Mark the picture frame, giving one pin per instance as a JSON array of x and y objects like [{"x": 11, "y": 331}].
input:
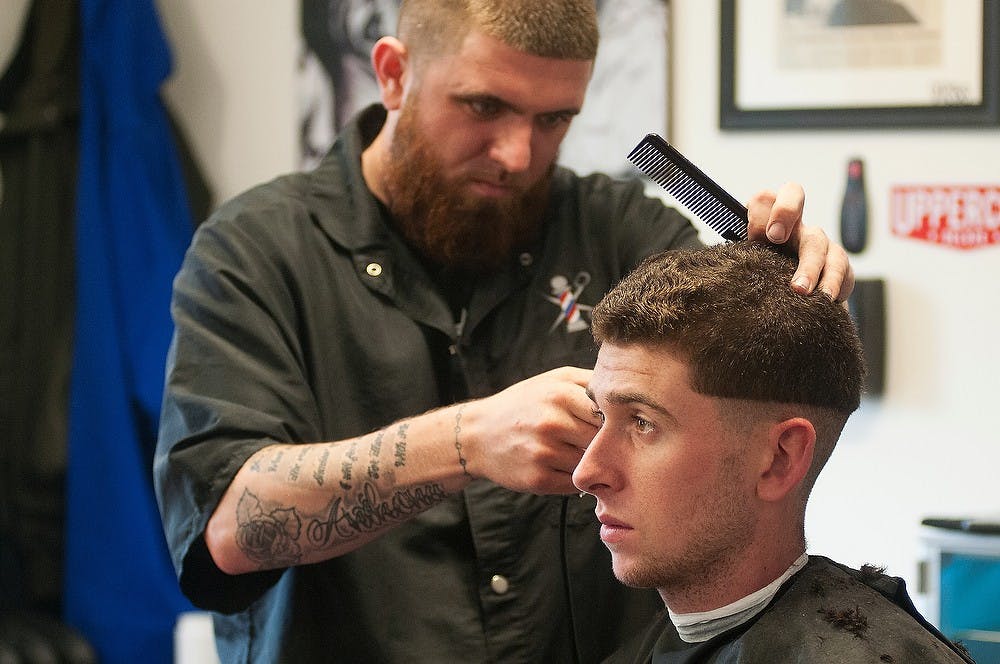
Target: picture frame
[
  {"x": 812, "y": 64},
  {"x": 627, "y": 97}
]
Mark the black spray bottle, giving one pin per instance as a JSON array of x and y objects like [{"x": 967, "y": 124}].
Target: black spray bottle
[{"x": 854, "y": 209}]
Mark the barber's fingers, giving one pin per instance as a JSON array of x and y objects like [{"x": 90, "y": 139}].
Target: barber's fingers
[
  {"x": 837, "y": 279},
  {"x": 776, "y": 216}
]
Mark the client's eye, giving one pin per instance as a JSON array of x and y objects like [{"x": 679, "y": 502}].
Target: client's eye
[{"x": 642, "y": 424}]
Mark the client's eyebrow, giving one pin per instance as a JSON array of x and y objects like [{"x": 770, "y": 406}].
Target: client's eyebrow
[{"x": 628, "y": 398}]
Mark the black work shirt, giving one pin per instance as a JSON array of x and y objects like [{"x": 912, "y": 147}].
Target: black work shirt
[{"x": 301, "y": 317}]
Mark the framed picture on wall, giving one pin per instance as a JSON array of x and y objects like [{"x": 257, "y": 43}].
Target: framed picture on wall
[
  {"x": 629, "y": 91},
  {"x": 859, "y": 63},
  {"x": 627, "y": 97}
]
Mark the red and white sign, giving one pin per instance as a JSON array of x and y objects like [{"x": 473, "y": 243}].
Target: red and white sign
[{"x": 962, "y": 216}]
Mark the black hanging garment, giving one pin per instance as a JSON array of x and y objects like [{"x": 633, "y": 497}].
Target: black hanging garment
[{"x": 39, "y": 99}]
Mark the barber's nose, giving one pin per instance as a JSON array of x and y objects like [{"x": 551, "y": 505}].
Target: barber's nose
[{"x": 512, "y": 146}]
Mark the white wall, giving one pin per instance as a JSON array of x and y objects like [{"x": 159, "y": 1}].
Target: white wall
[
  {"x": 930, "y": 446},
  {"x": 233, "y": 88}
]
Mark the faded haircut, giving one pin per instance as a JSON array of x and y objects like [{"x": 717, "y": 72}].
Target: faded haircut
[
  {"x": 564, "y": 29},
  {"x": 729, "y": 312}
]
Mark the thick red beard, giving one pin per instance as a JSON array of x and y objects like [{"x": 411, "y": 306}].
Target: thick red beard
[{"x": 452, "y": 229}]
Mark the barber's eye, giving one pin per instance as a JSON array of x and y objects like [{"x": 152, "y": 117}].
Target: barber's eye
[
  {"x": 554, "y": 120},
  {"x": 485, "y": 108}
]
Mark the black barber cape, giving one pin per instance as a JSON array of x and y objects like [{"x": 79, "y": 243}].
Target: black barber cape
[{"x": 826, "y": 614}]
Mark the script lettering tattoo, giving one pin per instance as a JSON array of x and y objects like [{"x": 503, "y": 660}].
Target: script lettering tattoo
[
  {"x": 374, "y": 453},
  {"x": 273, "y": 467},
  {"x": 401, "y": 445},
  {"x": 347, "y": 467},
  {"x": 268, "y": 538},
  {"x": 293, "y": 473},
  {"x": 320, "y": 474},
  {"x": 371, "y": 512}
]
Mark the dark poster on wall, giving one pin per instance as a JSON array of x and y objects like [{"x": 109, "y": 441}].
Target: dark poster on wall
[{"x": 627, "y": 98}]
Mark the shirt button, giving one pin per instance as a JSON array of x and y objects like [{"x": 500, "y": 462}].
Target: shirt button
[
  {"x": 526, "y": 259},
  {"x": 373, "y": 269},
  {"x": 499, "y": 584}
]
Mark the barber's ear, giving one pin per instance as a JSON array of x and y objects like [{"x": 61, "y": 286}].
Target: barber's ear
[
  {"x": 389, "y": 60},
  {"x": 790, "y": 448}
]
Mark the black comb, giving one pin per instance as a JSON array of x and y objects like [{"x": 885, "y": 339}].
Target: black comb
[{"x": 668, "y": 168}]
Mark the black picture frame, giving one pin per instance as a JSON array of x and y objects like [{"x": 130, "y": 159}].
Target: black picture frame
[{"x": 984, "y": 113}]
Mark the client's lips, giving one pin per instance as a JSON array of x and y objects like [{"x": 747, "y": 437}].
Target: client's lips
[{"x": 613, "y": 530}]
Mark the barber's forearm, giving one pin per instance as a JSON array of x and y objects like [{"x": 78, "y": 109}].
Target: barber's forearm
[{"x": 298, "y": 504}]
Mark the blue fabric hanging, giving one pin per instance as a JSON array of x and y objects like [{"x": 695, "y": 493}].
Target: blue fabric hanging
[{"x": 133, "y": 226}]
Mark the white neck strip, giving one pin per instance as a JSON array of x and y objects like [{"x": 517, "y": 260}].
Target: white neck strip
[{"x": 702, "y": 626}]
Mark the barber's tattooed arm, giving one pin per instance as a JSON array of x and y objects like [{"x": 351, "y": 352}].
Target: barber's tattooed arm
[{"x": 298, "y": 504}]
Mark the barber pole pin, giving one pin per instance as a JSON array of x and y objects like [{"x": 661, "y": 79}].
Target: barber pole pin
[{"x": 566, "y": 296}]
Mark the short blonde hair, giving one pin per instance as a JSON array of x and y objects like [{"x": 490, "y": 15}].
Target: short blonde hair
[{"x": 565, "y": 29}]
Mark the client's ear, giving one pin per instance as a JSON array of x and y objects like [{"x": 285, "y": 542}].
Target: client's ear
[{"x": 790, "y": 447}]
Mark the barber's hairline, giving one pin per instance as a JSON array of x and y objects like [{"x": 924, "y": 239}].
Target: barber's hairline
[
  {"x": 446, "y": 42},
  {"x": 452, "y": 45}
]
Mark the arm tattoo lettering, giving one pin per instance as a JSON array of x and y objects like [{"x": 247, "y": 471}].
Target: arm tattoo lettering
[
  {"x": 401, "y": 445},
  {"x": 371, "y": 512},
  {"x": 268, "y": 538},
  {"x": 275, "y": 460},
  {"x": 320, "y": 473},
  {"x": 374, "y": 452},
  {"x": 347, "y": 466},
  {"x": 293, "y": 473}
]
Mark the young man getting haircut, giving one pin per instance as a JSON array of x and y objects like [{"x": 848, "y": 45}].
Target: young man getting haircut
[{"x": 722, "y": 394}]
